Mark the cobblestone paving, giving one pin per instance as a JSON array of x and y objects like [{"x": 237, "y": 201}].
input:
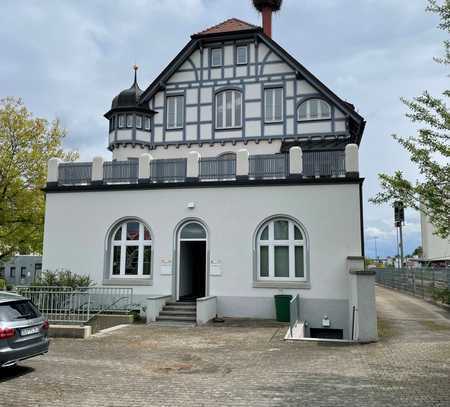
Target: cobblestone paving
[{"x": 244, "y": 364}]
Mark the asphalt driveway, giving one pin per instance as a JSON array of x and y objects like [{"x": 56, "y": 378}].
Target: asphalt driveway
[{"x": 244, "y": 364}]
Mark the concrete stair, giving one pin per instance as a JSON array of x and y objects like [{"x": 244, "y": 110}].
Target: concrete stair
[{"x": 180, "y": 311}]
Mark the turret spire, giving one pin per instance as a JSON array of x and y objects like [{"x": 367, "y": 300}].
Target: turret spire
[{"x": 135, "y": 67}]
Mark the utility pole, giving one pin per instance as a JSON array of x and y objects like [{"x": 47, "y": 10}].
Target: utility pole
[{"x": 399, "y": 217}]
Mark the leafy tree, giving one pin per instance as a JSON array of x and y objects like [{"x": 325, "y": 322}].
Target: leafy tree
[
  {"x": 26, "y": 144},
  {"x": 429, "y": 149},
  {"x": 417, "y": 251}
]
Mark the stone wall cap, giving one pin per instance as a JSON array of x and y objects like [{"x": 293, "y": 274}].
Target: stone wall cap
[{"x": 363, "y": 272}]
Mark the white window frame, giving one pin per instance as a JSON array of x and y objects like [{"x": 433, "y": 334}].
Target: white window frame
[
  {"x": 178, "y": 107},
  {"x": 244, "y": 47},
  {"x": 147, "y": 123},
  {"x": 223, "y": 94},
  {"x": 308, "y": 110},
  {"x": 220, "y": 52},
  {"x": 139, "y": 121},
  {"x": 129, "y": 121},
  {"x": 123, "y": 243},
  {"x": 271, "y": 243},
  {"x": 121, "y": 121},
  {"x": 272, "y": 118}
]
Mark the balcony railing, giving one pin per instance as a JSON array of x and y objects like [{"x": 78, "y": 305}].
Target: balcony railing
[
  {"x": 168, "y": 170},
  {"x": 217, "y": 169},
  {"x": 268, "y": 166},
  {"x": 324, "y": 163},
  {"x": 121, "y": 171},
  {"x": 307, "y": 164},
  {"x": 74, "y": 173}
]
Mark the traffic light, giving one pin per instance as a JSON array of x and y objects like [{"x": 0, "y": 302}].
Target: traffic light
[{"x": 399, "y": 213}]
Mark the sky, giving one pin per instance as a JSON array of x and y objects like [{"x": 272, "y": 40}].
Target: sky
[{"x": 67, "y": 60}]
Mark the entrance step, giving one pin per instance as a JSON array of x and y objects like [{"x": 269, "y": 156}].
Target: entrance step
[
  {"x": 176, "y": 318},
  {"x": 182, "y": 303},
  {"x": 180, "y": 308},
  {"x": 181, "y": 313}
]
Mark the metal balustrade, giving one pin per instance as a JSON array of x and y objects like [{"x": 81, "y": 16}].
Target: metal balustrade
[
  {"x": 269, "y": 166},
  {"x": 324, "y": 163},
  {"x": 217, "y": 168},
  {"x": 168, "y": 170},
  {"x": 121, "y": 171},
  {"x": 74, "y": 173},
  {"x": 320, "y": 163}
]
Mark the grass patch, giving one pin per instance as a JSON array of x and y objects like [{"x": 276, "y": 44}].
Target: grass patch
[{"x": 435, "y": 326}]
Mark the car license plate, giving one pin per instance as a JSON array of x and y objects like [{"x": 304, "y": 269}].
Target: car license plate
[{"x": 29, "y": 331}]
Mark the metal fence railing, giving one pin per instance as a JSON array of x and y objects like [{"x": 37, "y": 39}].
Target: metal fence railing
[
  {"x": 294, "y": 313},
  {"x": 269, "y": 166},
  {"x": 74, "y": 173},
  {"x": 168, "y": 170},
  {"x": 65, "y": 304},
  {"x": 217, "y": 168},
  {"x": 423, "y": 282},
  {"x": 324, "y": 163},
  {"x": 121, "y": 171}
]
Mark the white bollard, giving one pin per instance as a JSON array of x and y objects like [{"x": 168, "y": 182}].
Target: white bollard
[
  {"x": 144, "y": 167},
  {"x": 242, "y": 163},
  {"x": 97, "y": 170},
  {"x": 193, "y": 165},
  {"x": 351, "y": 160},
  {"x": 295, "y": 161},
  {"x": 52, "y": 170}
]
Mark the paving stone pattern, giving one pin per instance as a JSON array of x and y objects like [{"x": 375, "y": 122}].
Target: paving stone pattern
[{"x": 244, "y": 363}]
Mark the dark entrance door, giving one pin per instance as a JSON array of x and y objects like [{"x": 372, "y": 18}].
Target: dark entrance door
[{"x": 192, "y": 270}]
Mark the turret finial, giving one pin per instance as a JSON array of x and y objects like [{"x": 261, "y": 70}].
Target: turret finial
[{"x": 135, "y": 67}]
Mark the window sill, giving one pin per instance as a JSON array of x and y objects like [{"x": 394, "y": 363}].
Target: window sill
[
  {"x": 282, "y": 284},
  {"x": 320, "y": 119},
  {"x": 128, "y": 281}
]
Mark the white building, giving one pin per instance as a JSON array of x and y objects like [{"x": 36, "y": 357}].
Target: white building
[
  {"x": 234, "y": 177},
  {"x": 435, "y": 249}
]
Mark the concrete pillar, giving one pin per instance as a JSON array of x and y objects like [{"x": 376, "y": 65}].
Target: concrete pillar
[
  {"x": 52, "y": 171},
  {"x": 351, "y": 160},
  {"x": 144, "y": 168},
  {"x": 295, "y": 161},
  {"x": 193, "y": 163},
  {"x": 97, "y": 170},
  {"x": 362, "y": 306},
  {"x": 242, "y": 164}
]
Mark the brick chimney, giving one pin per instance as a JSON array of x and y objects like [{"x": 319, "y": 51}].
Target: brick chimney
[{"x": 267, "y": 8}]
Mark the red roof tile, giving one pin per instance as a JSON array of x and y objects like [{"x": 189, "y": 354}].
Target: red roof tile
[{"x": 233, "y": 24}]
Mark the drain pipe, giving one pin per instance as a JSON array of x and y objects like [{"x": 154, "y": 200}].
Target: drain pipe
[{"x": 353, "y": 323}]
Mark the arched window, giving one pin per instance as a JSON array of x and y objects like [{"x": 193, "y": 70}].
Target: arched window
[
  {"x": 131, "y": 250},
  {"x": 314, "y": 109},
  {"x": 281, "y": 251},
  {"x": 228, "y": 109}
]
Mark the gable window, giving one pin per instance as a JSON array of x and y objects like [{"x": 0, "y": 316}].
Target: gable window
[
  {"x": 139, "y": 122},
  {"x": 228, "y": 109},
  {"x": 121, "y": 121},
  {"x": 146, "y": 123},
  {"x": 314, "y": 109},
  {"x": 242, "y": 55},
  {"x": 273, "y": 100},
  {"x": 281, "y": 251},
  {"x": 216, "y": 57},
  {"x": 129, "y": 120},
  {"x": 175, "y": 110},
  {"x": 131, "y": 251}
]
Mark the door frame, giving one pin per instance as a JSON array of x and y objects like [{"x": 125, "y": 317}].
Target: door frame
[{"x": 177, "y": 254}]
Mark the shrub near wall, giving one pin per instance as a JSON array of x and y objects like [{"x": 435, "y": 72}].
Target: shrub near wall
[{"x": 2, "y": 284}]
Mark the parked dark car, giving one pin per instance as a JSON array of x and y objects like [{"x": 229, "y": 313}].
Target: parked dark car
[{"x": 23, "y": 330}]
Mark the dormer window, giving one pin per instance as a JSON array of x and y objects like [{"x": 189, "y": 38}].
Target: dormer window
[
  {"x": 314, "y": 109},
  {"x": 175, "y": 110},
  {"x": 242, "y": 55},
  {"x": 139, "y": 121},
  {"x": 216, "y": 57},
  {"x": 121, "y": 121}
]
